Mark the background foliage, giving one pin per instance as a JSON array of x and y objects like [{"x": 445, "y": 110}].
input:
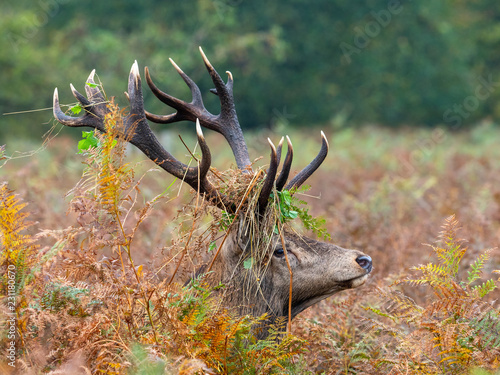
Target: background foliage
[{"x": 295, "y": 62}]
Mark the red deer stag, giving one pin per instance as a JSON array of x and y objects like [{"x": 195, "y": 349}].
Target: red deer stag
[{"x": 315, "y": 270}]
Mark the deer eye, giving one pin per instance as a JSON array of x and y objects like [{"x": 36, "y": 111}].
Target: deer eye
[{"x": 279, "y": 252}]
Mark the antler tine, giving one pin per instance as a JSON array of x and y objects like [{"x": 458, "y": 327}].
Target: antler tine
[
  {"x": 305, "y": 173},
  {"x": 197, "y": 99},
  {"x": 267, "y": 187},
  {"x": 229, "y": 84},
  {"x": 196, "y": 102},
  {"x": 223, "y": 91},
  {"x": 287, "y": 164},
  {"x": 135, "y": 95},
  {"x": 94, "y": 112},
  {"x": 226, "y": 123},
  {"x": 93, "y": 93},
  {"x": 82, "y": 99},
  {"x": 278, "y": 149},
  {"x": 61, "y": 116},
  {"x": 206, "y": 157},
  {"x": 196, "y": 106},
  {"x": 162, "y": 119},
  {"x": 195, "y": 90},
  {"x": 230, "y": 81}
]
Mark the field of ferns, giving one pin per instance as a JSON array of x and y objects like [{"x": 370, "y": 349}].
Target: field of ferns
[{"x": 97, "y": 247}]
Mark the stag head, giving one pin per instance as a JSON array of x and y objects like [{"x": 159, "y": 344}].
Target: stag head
[{"x": 286, "y": 264}]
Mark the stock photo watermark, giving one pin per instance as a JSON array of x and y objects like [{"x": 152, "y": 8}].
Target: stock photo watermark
[
  {"x": 364, "y": 35},
  {"x": 281, "y": 118},
  {"x": 44, "y": 10},
  {"x": 223, "y": 6},
  {"x": 453, "y": 117},
  {"x": 460, "y": 111},
  {"x": 10, "y": 355},
  {"x": 424, "y": 148}
]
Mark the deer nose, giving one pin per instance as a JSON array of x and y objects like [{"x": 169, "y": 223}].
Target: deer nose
[{"x": 365, "y": 262}]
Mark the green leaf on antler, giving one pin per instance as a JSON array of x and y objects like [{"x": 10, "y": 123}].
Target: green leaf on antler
[
  {"x": 289, "y": 209},
  {"x": 76, "y": 109},
  {"x": 89, "y": 140}
]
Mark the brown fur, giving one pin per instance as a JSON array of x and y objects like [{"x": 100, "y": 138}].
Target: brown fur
[{"x": 319, "y": 270}]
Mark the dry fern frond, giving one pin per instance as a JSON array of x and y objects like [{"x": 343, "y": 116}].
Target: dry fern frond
[
  {"x": 455, "y": 330},
  {"x": 16, "y": 248}
]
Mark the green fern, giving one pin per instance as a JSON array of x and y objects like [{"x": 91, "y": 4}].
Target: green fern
[
  {"x": 58, "y": 296},
  {"x": 290, "y": 207},
  {"x": 477, "y": 267},
  {"x": 456, "y": 329},
  {"x": 487, "y": 287}
]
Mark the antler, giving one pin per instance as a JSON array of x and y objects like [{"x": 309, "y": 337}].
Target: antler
[
  {"x": 226, "y": 123},
  {"x": 137, "y": 131},
  {"x": 96, "y": 107},
  {"x": 305, "y": 173},
  {"x": 298, "y": 180}
]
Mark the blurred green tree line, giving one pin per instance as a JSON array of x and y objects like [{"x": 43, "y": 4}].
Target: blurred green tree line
[{"x": 298, "y": 62}]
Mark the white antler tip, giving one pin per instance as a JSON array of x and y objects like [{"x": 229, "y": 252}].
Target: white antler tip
[
  {"x": 91, "y": 76},
  {"x": 198, "y": 129},
  {"x": 289, "y": 142},
  {"x": 175, "y": 65},
  {"x": 272, "y": 145},
  {"x": 230, "y": 75},
  {"x": 324, "y": 138},
  {"x": 72, "y": 87},
  {"x": 134, "y": 73},
  {"x": 205, "y": 59},
  {"x": 135, "y": 68}
]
